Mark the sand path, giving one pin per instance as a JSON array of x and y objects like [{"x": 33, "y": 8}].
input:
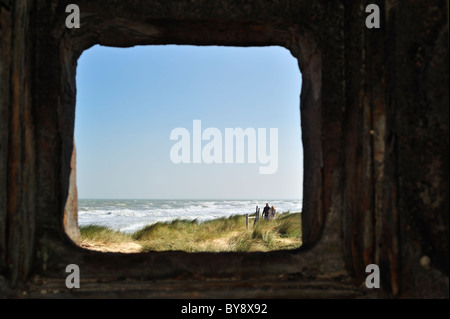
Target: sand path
[{"x": 126, "y": 247}]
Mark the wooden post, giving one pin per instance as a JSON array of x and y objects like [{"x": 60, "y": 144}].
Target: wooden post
[
  {"x": 246, "y": 220},
  {"x": 256, "y": 216}
]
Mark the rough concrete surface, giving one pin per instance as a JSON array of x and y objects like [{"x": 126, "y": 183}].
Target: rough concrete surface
[{"x": 374, "y": 112}]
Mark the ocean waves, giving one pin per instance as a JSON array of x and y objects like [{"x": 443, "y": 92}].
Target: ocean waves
[{"x": 131, "y": 215}]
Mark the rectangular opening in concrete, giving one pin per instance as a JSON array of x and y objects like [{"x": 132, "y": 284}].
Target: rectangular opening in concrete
[{"x": 182, "y": 147}]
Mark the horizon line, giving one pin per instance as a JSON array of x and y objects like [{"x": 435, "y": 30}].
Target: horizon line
[{"x": 259, "y": 199}]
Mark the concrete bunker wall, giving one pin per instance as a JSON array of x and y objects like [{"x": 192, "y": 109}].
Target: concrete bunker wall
[{"x": 374, "y": 108}]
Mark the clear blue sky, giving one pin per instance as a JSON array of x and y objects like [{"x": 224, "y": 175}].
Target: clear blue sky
[{"x": 130, "y": 99}]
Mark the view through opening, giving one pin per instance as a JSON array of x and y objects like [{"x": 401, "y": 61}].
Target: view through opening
[{"x": 177, "y": 146}]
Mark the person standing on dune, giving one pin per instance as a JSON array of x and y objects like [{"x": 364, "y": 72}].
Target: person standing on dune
[
  {"x": 266, "y": 211},
  {"x": 271, "y": 214}
]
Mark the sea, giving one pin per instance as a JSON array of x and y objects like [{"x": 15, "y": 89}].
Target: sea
[{"x": 130, "y": 215}]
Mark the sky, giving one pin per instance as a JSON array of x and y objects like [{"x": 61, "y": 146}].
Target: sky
[{"x": 131, "y": 100}]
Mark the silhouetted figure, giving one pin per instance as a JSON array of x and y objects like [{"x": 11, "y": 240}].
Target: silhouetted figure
[{"x": 266, "y": 211}]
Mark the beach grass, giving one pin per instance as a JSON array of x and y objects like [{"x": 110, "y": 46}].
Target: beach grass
[
  {"x": 282, "y": 233},
  {"x": 221, "y": 234},
  {"x": 102, "y": 234}
]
